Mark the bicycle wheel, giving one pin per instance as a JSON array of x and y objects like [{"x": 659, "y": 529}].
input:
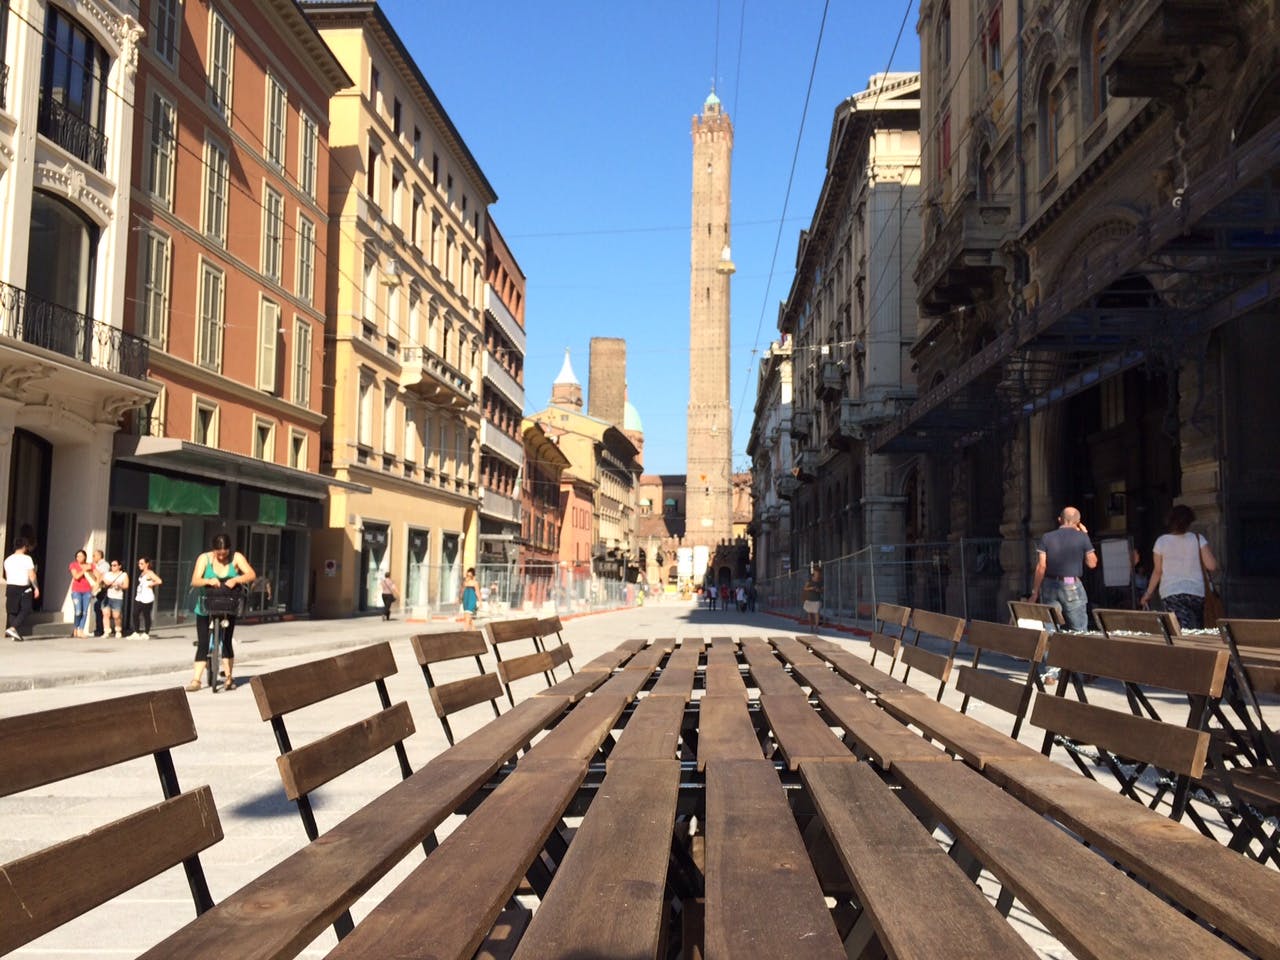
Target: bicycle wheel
[{"x": 215, "y": 652}]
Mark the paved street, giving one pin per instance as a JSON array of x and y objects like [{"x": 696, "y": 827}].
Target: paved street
[{"x": 236, "y": 752}]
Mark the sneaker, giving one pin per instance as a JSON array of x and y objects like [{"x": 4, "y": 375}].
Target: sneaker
[
  {"x": 136, "y": 636},
  {"x": 13, "y": 634},
  {"x": 144, "y": 636}
]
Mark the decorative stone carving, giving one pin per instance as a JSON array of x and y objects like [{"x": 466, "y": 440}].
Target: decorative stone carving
[
  {"x": 130, "y": 33},
  {"x": 15, "y": 377}
]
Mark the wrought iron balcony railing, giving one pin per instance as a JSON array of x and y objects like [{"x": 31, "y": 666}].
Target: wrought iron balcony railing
[
  {"x": 73, "y": 133},
  {"x": 4, "y": 85},
  {"x": 72, "y": 334}
]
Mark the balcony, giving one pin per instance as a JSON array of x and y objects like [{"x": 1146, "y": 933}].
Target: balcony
[
  {"x": 806, "y": 464},
  {"x": 4, "y": 84},
  {"x": 73, "y": 133},
  {"x": 963, "y": 259},
  {"x": 435, "y": 381},
  {"x": 74, "y": 335},
  {"x": 497, "y": 506},
  {"x": 801, "y": 423},
  {"x": 495, "y": 441},
  {"x": 1160, "y": 41},
  {"x": 787, "y": 485},
  {"x": 495, "y": 375},
  {"x": 494, "y": 306},
  {"x": 831, "y": 380}
]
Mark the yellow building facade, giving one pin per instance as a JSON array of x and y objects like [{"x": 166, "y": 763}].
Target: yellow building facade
[{"x": 408, "y": 204}]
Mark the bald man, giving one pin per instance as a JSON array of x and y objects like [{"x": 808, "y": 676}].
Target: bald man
[{"x": 1062, "y": 556}]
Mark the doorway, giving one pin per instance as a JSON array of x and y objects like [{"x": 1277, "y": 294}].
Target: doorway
[
  {"x": 373, "y": 562},
  {"x": 264, "y": 556},
  {"x": 30, "y": 472},
  {"x": 416, "y": 573}
]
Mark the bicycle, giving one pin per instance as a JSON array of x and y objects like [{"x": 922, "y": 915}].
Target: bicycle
[{"x": 221, "y": 604}]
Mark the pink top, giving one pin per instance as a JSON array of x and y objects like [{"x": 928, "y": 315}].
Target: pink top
[{"x": 79, "y": 584}]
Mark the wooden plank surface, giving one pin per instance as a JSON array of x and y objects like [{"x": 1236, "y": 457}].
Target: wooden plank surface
[
  {"x": 653, "y": 732},
  {"x": 508, "y": 631},
  {"x": 921, "y": 904},
  {"x": 609, "y": 660},
  {"x": 457, "y": 695},
  {"x": 1094, "y": 909},
  {"x": 46, "y": 889},
  {"x": 937, "y": 625},
  {"x": 996, "y": 689},
  {"x": 576, "y": 686},
  {"x": 877, "y": 734},
  {"x": 446, "y": 905},
  {"x": 517, "y": 668},
  {"x": 607, "y": 898},
  {"x": 1174, "y": 858},
  {"x": 926, "y": 661},
  {"x": 723, "y": 677},
  {"x": 763, "y": 897},
  {"x": 801, "y": 734},
  {"x": 678, "y": 675},
  {"x": 972, "y": 739},
  {"x": 429, "y": 648},
  {"x": 579, "y": 735},
  {"x": 725, "y": 731},
  {"x": 50, "y": 745},
  {"x": 625, "y": 682},
  {"x": 856, "y": 670},
  {"x": 892, "y": 614},
  {"x": 634, "y": 645},
  {"x": 276, "y": 915},
  {"x": 1187, "y": 669},
  {"x": 501, "y": 737},
  {"x": 815, "y": 673},
  {"x": 282, "y": 691},
  {"x": 307, "y": 767},
  {"x": 1024, "y": 643},
  {"x": 648, "y": 659},
  {"x": 886, "y": 644}
]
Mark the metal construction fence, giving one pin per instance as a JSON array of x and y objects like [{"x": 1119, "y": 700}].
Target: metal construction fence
[{"x": 964, "y": 578}]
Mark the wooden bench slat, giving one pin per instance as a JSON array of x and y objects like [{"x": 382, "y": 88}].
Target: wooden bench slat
[
  {"x": 725, "y": 731},
  {"x": 1024, "y": 643},
  {"x": 653, "y": 732},
  {"x": 315, "y": 764},
  {"x": 816, "y": 674},
  {"x": 883, "y": 643},
  {"x": 607, "y": 897},
  {"x": 579, "y": 735},
  {"x": 763, "y": 897},
  {"x": 1177, "y": 749},
  {"x": 902, "y": 877},
  {"x": 800, "y": 732},
  {"x": 503, "y": 736},
  {"x": 678, "y": 675},
  {"x": 560, "y": 654},
  {"x": 609, "y": 660},
  {"x": 276, "y": 915},
  {"x": 51, "y": 745},
  {"x": 508, "y": 631},
  {"x": 1194, "y": 670},
  {"x": 856, "y": 670},
  {"x": 722, "y": 677},
  {"x": 892, "y": 614},
  {"x": 485, "y": 856},
  {"x": 457, "y": 695},
  {"x": 648, "y": 659},
  {"x": 926, "y": 661},
  {"x": 46, "y": 889},
  {"x": 517, "y": 668},
  {"x": 1001, "y": 692},
  {"x": 634, "y": 645},
  {"x": 968, "y": 737},
  {"x": 1175, "y": 859},
  {"x": 1094, "y": 909},
  {"x": 878, "y": 735},
  {"x": 625, "y": 682},
  {"x": 938, "y": 625},
  {"x": 292, "y": 688},
  {"x": 431, "y": 648},
  {"x": 577, "y": 686}
]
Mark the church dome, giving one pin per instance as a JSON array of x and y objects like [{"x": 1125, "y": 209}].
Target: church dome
[
  {"x": 566, "y": 375},
  {"x": 631, "y": 418}
]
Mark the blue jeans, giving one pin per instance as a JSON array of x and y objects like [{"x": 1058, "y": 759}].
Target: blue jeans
[
  {"x": 81, "y": 602},
  {"x": 1070, "y": 599}
]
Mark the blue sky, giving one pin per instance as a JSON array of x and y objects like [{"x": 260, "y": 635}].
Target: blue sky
[{"x": 578, "y": 112}]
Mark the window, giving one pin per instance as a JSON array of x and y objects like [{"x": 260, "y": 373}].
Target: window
[
  {"x": 264, "y": 440},
  {"x": 153, "y": 305},
  {"x": 160, "y": 162},
  {"x": 1047, "y": 120},
  {"x": 73, "y": 89},
  {"x": 277, "y": 102},
  {"x": 372, "y": 181},
  {"x": 272, "y": 233},
  {"x": 211, "y": 319},
  {"x": 61, "y": 264},
  {"x": 149, "y": 421},
  {"x": 415, "y": 226},
  {"x": 433, "y": 255},
  {"x": 410, "y": 436},
  {"x": 1095, "y": 56},
  {"x": 427, "y": 427},
  {"x": 222, "y": 47},
  {"x": 446, "y": 443},
  {"x": 435, "y": 169},
  {"x": 216, "y": 185},
  {"x": 364, "y": 410},
  {"x": 306, "y": 278},
  {"x": 944, "y": 37},
  {"x": 449, "y": 246},
  {"x": 308, "y": 149},
  {"x": 268, "y": 337},
  {"x": 415, "y": 319},
  {"x": 397, "y": 197},
  {"x": 370, "y": 298},
  {"x": 204, "y": 423},
  {"x": 944, "y": 145},
  {"x": 417, "y": 144},
  {"x": 395, "y": 115},
  {"x": 165, "y": 29},
  {"x": 375, "y": 88},
  {"x": 389, "y": 419},
  {"x": 393, "y": 319},
  {"x": 301, "y": 362},
  {"x": 297, "y": 450}
]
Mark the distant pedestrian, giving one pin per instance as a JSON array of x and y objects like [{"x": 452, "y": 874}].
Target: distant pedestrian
[
  {"x": 21, "y": 588},
  {"x": 1064, "y": 554},
  {"x": 751, "y": 597},
  {"x": 742, "y": 599},
  {"x": 100, "y": 568},
  {"x": 114, "y": 583},
  {"x": 84, "y": 581},
  {"x": 389, "y": 593},
  {"x": 1182, "y": 563},
  {"x": 811, "y": 595},
  {"x": 711, "y": 596},
  {"x": 144, "y": 599},
  {"x": 470, "y": 597}
]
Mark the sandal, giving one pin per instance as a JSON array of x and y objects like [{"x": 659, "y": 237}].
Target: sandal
[
  {"x": 229, "y": 685},
  {"x": 193, "y": 686}
]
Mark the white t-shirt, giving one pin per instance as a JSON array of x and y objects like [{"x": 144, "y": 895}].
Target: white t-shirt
[
  {"x": 17, "y": 569},
  {"x": 114, "y": 584},
  {"x": 145, "y": 593},
  {"x": 1180, "y": 563}
]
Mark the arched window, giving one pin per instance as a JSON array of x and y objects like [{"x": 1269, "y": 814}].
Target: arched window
[
  {"x": 1093, "y": 55},
  {"x": 61, "y": 254},
  {"x": 944, "y": 37},
  {"x": 985, "y": 174},
  {"x": 1048, "y": 124}
]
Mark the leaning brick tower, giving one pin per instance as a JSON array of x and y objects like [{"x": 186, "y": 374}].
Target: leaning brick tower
[{"x": 708, "y": 481}]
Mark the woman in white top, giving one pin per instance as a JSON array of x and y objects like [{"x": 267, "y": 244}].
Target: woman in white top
[
  {"x": 144, "y": 599},
  {"x": 116, "y": 580},
  {"x": 1182, "y": 559}
]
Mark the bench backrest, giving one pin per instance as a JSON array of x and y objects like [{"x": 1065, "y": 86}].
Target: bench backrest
[
  {"x": 1012, "y": 694},
  {"x": 456, "y": 695},
  {"x": 1151, "y": 623},
  {"x": 1255, "y": 675},
  {"x": 511, "y": 669},
  {"x": 891, "y": 618},
  {"x": 946, "y": 628},
  {"x": 47, "y": 888},
  {"x": 1140, "y": 735},
  {"x": 1043, "y": 613},
  {"x": 561, "y": 653}
]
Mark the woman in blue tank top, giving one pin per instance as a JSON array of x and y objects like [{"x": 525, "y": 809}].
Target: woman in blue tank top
[{"x": 220, "y": 567}]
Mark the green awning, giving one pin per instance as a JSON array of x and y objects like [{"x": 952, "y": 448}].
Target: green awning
[
  {"x": 273, "y": 511},
  {"x": 171, "y": 495}
]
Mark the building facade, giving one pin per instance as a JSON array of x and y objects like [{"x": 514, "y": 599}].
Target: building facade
[
  {"x": 69, "y": 368},
  {"x": 407, "y": 219},
  {"x": 502, "y": 401},
  {"x": 225, "y": 281},
  {"x": 769, "y": 447},
  {"x": 542, "y": 517}
]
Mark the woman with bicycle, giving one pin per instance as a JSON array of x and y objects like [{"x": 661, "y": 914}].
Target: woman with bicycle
[{"x": 220, "y": 569}]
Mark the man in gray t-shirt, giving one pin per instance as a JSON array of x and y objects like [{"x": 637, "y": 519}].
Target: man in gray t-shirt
[{"x": 1062, "y": 556}]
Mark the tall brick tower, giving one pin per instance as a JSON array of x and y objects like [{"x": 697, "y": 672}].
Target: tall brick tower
[{"x": 708, "y": 482}]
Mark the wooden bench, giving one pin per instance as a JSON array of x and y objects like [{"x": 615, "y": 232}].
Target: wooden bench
[
  {"x": 903, "y": 879},
  {"x": 653, "y": 731},
  {"x": 1095, "y": 910},
  {"x": 609, "y": 892},
  {"x": 561, "y": 654},
  {"x": 1023, "y": 613},
  {"x": 722, "y": 676},
  {"x": 768, "y": 675},
  {"x": 456, "y": 695},
  {"x": 888, "y": 629},
  {"x": 518, "y": 668},
  {"x": 306, "y": 768},
  {"x": 1150, "y": 623},
  {"x": 1010, "y": 694},
  {"x": 937, "y": 665},
  {"x": 725, "y": 731},
  {"x": 963, "y": 735},
  {"x": 681, "y": 670},
  {"x": 43, "y": 890},
  {"x": 801, "y": 734},
  {"x": 763, "y": 896}
]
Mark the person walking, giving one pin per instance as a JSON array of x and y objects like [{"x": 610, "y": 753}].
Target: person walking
[
  {"x": 21, "y": 588},
  {"x": 811, "y": 594},
  {"x": 1181, "y": 562},
  {"x": 144, "y": 599},
  {"x": 389, "y": 593},
  {"x": 84, "y": 581},
  {"x": 115, "y": 582},
  {"x": 1062, "y": 556},
  {"x": 470, "y": 597},
  {"x": 100, "y": 568},
  {"x": 222, "y": 568}
]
